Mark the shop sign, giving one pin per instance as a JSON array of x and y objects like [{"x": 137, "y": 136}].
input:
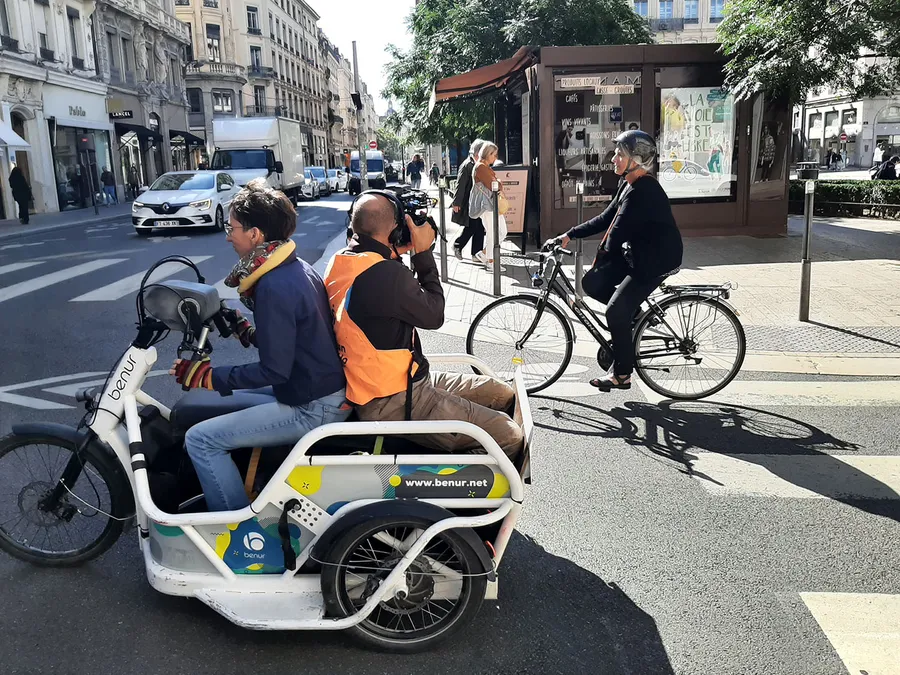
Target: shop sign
[
  {"x": 515, "y": 188},
  {"x": 121, "y": 115},
  {"x": 76, "y": 111}
]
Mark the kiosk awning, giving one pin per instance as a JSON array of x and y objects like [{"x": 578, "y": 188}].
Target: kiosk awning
[{"x": 483, "y": 80}]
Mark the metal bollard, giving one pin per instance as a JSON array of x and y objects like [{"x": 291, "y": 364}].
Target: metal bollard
[
  {"x": 443, "y": 223},
  {"x": 495, "y": 192},
  {"x": 579, "y": 244},
  {"x": 808, "y": 171}
]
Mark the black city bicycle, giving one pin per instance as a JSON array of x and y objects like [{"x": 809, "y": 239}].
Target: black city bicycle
[{"x": 688, "y": 341}]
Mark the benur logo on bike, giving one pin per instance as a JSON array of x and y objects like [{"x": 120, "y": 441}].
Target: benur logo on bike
[
  {"x": 255, "y": 542},
  {"x": 122, "y": 380}
]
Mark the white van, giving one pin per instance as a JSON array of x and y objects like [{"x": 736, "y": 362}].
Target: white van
[{"x": 374, "y": 171}]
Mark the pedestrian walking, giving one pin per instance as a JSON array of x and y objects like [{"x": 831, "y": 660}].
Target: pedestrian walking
[
  {"x": 887, "y": 170},
  {"x": 435, "y": 173},
  {"x": 133, "y": 180},
  {"x": 109, "y": 186},
  {"x": 414, "y": 171},
  {"x": 878, "y": 156},
  {"x": 472, "y": 227},
  {"x": 21, "y": 192},
  {"x": 483, "y": 178}
]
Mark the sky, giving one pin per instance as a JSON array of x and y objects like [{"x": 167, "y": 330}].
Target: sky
[{"x": 373, "y": 24}]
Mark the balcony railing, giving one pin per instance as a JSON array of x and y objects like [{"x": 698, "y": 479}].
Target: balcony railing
[
  {"x": 214, "y": 4},
  {"x": 77, "y": 63},
  {"x": 716, "y": 19},
  {"x": 254, "y": 31},
  {"x": 264, "y": 111},
  {"x": 261, "y": 72},
  {"x": 47, "y": 54},
  {"x": 665, "y": 25},
  {"x": 157, "y": 17},
  {"x": 214, "y": 68},
  {"x": 8, "y": 44},
  {"x": 182, "y": 3}
]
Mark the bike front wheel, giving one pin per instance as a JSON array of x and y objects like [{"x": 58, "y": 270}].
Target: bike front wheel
[
  {"x": 497, "y": 337},
  {"x": 692, "y": 348},
  {"x": 81, "y": 523}
]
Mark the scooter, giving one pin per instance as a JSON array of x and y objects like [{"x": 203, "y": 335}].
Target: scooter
[{"x": 354, "y": 528}]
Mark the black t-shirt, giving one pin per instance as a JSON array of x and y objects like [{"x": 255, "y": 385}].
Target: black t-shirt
[{"x": 641, "y": 215}]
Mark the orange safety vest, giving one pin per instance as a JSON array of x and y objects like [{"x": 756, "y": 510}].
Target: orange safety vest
[{"x": 371, "y": 373}]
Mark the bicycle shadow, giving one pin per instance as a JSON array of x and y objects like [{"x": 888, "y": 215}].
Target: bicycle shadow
[{"x": 680, "y": 432}]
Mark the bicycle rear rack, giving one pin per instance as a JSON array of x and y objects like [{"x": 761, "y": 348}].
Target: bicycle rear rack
[{"x": 702, "y": 289}]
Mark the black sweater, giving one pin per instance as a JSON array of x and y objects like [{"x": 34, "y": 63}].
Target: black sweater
[{"x": 640, "y": 214}]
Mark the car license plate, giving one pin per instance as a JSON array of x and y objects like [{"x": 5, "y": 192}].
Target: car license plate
[{"x": 167, "y": 223}]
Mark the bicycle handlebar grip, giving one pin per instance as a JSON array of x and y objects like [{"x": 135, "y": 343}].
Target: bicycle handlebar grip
[{"x": 565, "y": 251}]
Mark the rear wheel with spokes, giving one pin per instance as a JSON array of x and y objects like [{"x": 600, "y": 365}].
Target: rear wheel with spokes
[
  {"x": 497, "y": 337},
  {"x": 45, "y": 525},
  {"x": 445, "y": 584},
  {"x": 692, "y": 349}
]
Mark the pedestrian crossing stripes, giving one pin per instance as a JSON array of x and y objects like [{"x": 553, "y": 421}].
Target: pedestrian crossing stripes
[
  {"x": 130, "y": 285},
  {"x": 779, "y": 393},
  {"x": 15, "y": 267},
  {"x": 863, "y": 628},
  {"x": 59, "y": 276}
]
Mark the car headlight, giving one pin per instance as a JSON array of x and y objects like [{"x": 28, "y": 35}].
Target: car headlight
[
  {"x": 136, "y": 206},
  {"x": 203, "y": 204}
]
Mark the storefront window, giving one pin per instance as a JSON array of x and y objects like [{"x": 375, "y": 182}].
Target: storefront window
[
  {"x": 79, "y": 157},
  {"x": 769, "y": 143},
  {"x": 591, "y": 110},
  {"x": 697, "y": 135}
]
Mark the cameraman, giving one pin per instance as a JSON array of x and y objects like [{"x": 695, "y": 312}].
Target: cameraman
[{"x": 377, "y": 303}]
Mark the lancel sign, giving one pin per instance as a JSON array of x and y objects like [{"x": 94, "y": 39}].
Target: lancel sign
[{"x": 77, "y": 111}]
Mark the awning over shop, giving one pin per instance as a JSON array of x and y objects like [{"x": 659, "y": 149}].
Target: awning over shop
[
  {"x": 11, "y": 139},
  {"x": 482, "y": 80},
  {"x": 142, "y": 132},
  {"x": 189, "y": 138}
]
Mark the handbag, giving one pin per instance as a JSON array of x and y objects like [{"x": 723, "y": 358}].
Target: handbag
[
  {"x": 502, "y": 203},
  {"x": 479, "y": 201}
]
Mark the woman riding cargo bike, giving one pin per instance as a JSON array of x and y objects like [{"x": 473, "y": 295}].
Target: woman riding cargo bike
[{"x": 687, "y": 344}]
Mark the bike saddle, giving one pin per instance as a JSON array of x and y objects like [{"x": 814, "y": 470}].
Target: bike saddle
[{"x": 199, "y": 405}]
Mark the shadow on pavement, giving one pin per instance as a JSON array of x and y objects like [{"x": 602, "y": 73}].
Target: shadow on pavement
[
  {"x": 795, "y": 451},
  {"x": 553, "y": 618}
]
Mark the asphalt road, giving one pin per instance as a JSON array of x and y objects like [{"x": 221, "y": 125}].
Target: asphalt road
[{"x": 638, "y": 552}]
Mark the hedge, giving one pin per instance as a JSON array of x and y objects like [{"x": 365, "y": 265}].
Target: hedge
[{"x": 868, "y": 198}]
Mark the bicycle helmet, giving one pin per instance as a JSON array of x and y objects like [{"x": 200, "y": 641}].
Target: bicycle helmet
[{"x": 639, "y": 146}]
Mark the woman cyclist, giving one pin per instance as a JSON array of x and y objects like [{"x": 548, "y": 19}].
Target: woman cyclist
[{"x": 641, "y": 244}]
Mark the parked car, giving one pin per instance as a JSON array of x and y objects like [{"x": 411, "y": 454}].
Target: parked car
[
  {"x": 338, "y": 180},
  {"x": 320, "y": 173},
  {"x": 185, "y": 199},
  {"x": 310, "y": 189}
]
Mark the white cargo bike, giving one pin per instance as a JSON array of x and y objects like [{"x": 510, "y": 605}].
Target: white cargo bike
[{"x": 355, "y": 527}]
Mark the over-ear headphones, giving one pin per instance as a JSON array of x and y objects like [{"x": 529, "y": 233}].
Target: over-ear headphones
[{"x": 396, "y": 235}]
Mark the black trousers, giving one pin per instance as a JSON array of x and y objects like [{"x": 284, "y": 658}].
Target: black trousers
[
  {"x": 614, "y": 286},
  {"x": 23, "y": 210},
  {"x": 474, "y": 230}
]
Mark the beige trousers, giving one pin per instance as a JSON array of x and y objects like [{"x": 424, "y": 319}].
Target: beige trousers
[{"x": 453, "y": 396}]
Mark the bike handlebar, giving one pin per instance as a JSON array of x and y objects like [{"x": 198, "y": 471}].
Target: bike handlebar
[{"x": 556, "y": 251}]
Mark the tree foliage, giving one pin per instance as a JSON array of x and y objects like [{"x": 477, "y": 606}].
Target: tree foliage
[
  {"x": 389, "y": 143},
  {"x": 791, "y": 47},
  {"x": 455, "y": 36}
]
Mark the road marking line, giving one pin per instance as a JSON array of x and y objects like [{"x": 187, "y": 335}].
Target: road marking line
[
  {"x": 15, "y": 267},
  {"x": 226, "y": 292},
  {"x": 72, "y": 389},
  {"x": 38, "y": 283},
  {"x": 37, "y": 403},
  {"x": 817, "y": 476},
  {"x": 131, "y": 284},
  {"x": 863, "y": 628},
  {"x": 769, "y": 393}
]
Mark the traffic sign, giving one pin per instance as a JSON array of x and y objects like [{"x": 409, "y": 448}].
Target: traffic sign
[
  {"x": 373, "y": 145},
  {"x": 843, "y": 137}
]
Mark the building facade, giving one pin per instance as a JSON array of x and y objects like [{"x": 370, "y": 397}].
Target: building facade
[
  {"x": 90, "y": 87},
  {"x": 682, "y": 21},
  {"x": 138, "y": 48},
  {"x": 256, "y": 58}
]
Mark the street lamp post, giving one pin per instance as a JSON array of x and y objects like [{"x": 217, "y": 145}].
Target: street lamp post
[{"x": 360, "y": 137}]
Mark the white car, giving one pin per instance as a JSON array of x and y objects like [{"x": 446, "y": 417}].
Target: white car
[
  {"x": 320, "y": 173},
  {"x": 338, "y": 180},
  {"x": 310, "y": 189},
  {"x": 185, "y": 199}
]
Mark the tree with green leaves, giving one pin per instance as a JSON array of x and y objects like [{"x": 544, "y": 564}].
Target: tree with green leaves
[
  {"x": 791, "y": 47},
  {"x": 389, "y": 143},
  {"x": 455, "y": 36}
]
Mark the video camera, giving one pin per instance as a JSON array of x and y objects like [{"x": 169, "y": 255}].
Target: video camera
[{"x": 416, "y": 204}]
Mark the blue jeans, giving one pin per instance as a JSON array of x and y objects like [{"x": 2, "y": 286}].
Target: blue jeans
[
  {"x": 209, "y": 443},
  {"x": 111, "y": 196}
]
